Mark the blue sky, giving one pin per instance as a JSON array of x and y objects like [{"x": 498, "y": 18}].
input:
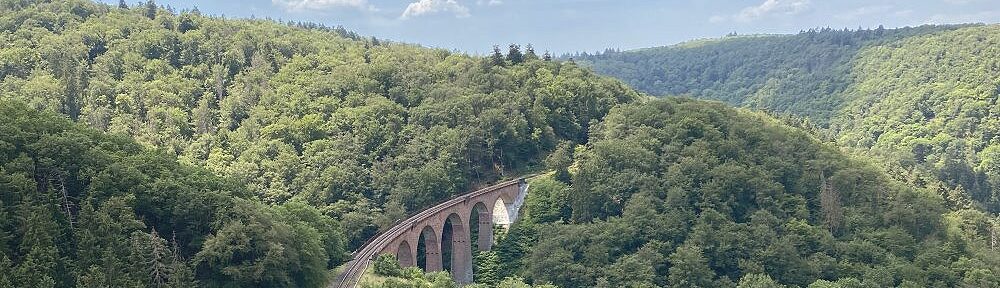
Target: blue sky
[{"x": 561, "y": 26}]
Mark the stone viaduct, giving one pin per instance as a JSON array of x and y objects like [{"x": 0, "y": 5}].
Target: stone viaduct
[{"x": 494, "y": 205}]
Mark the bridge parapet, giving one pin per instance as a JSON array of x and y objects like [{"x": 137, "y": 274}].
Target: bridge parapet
[{"x": 403, "y": 239}]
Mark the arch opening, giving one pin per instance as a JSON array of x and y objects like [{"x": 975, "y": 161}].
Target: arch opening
[
  {"x": 405, "y": 255},
  {"x": 428, "y": 250},
  {"x": 502, "y": 210},
  {"x": 455, "y": 248},
  {"x": 480, "y": 228}
]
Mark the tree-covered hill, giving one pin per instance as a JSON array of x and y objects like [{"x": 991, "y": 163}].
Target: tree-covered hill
[
  {"x": 143, "y": 146},
  {"x": 930, "y": 103},
  {"x": 684, "y": 193},
  {"x": 80, "y": 208},
  {"x": 801, "y": 74},
  {"x": 281, "y": 131},
  {"x": 358, "y": 127},
  {"x": 922, "y": 98}
]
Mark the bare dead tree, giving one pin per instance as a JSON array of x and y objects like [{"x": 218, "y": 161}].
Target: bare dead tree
[
  {"x": 155, "y": 259},
  {"x": 829, "y": 202},
  {"x": 66, "y": 202},
  {"x": 994, "y": 237}
]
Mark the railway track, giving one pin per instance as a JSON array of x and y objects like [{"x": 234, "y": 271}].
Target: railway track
[{"x": 363, "y": 256}]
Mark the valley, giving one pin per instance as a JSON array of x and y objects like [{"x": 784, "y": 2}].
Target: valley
[{"x": 147, "y": 146}]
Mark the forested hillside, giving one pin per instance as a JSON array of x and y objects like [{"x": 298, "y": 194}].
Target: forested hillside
[
  {"x": 683, "y": 193},
  {"x": 802, "y": 73},
  {"x": 80, "y": 208},
  {"x": 922, "y": 98},
  {"x": 142, "y": 146},
  {"x": 930, "y": 103},
  {"x": 285, "y": 135}
]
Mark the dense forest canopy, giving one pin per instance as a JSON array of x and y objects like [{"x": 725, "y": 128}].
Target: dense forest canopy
[
  {"x": 683, "y": 193},
  {"x": 802, "y": 73},
  {"x": 930, "y": 103},
  {"x": 141, "y": 146},
  {"x": 921, "y": 98},
  {"x": 311, "y": 127},
  {"x": 81, "y": 208}
]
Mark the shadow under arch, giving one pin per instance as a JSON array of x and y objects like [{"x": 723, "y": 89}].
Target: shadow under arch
[
  {"x": 428, "y": 250},
  {"x": 405, "y": 255},
  {"x": 481, "y": 228},
  {"x": 456, "y": 250}
]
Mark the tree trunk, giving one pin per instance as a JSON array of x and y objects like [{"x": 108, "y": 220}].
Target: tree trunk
[
  {"x": 995, "y": 239},
  {"x": 829, "y": 202},
  {"x": 67, "y": 205}
]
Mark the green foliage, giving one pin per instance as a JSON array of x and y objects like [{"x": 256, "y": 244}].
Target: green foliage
[
  {"x": 921, "y": 100},
  {"x": 296, "y": 142},
  {"x": 256, "y": 154},
  {"x": 329, "y": 231},
  {"x": 510, "y": 282},
  {"x": 679, "y": 192},
  {"x": 560, "y": 160},
  {"x": 841, "y": 283},
  {"x": 487, "y": 269},
  {"x": 689, "y": 268},
  {"x": 758, "y": 281},
  {"x": 413, "y": 277},
  {"x": 101, "y": 211},
  {"x": 936, "y": 115},
  {"x": 258, "y": 249},
  {"x": 513, "y": 246},
  {"x": 549, "y": 200},
  {"x": 366, "y": 131},
  {"x": 802, "y": 73},
  {"x": 387, "y": 265}
]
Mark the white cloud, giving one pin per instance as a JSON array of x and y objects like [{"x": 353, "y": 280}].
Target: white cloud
[
  {"x": 769, "y": 7},
  {"x": 306, "y": 5},
  {"x": 423, "y": 7},
  {"x": 489, "y": 2}
]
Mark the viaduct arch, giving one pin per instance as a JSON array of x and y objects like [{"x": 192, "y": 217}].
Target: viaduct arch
[{"x": 494, "y": 205}]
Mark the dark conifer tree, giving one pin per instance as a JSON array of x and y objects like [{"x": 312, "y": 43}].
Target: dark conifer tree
[
  {"x": 514, "y": 54},
  {"x": 186, "y": 23},
  {"x": 497, "y": 58},
  {"x": 150, "y": 9},
  {"x": 529, "y": 53}
]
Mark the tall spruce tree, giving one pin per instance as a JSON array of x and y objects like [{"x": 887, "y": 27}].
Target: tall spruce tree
[{"x": 514, "y": 55}]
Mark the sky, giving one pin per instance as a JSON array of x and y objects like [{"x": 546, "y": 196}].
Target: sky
[{"x": 566, "y": 26}]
